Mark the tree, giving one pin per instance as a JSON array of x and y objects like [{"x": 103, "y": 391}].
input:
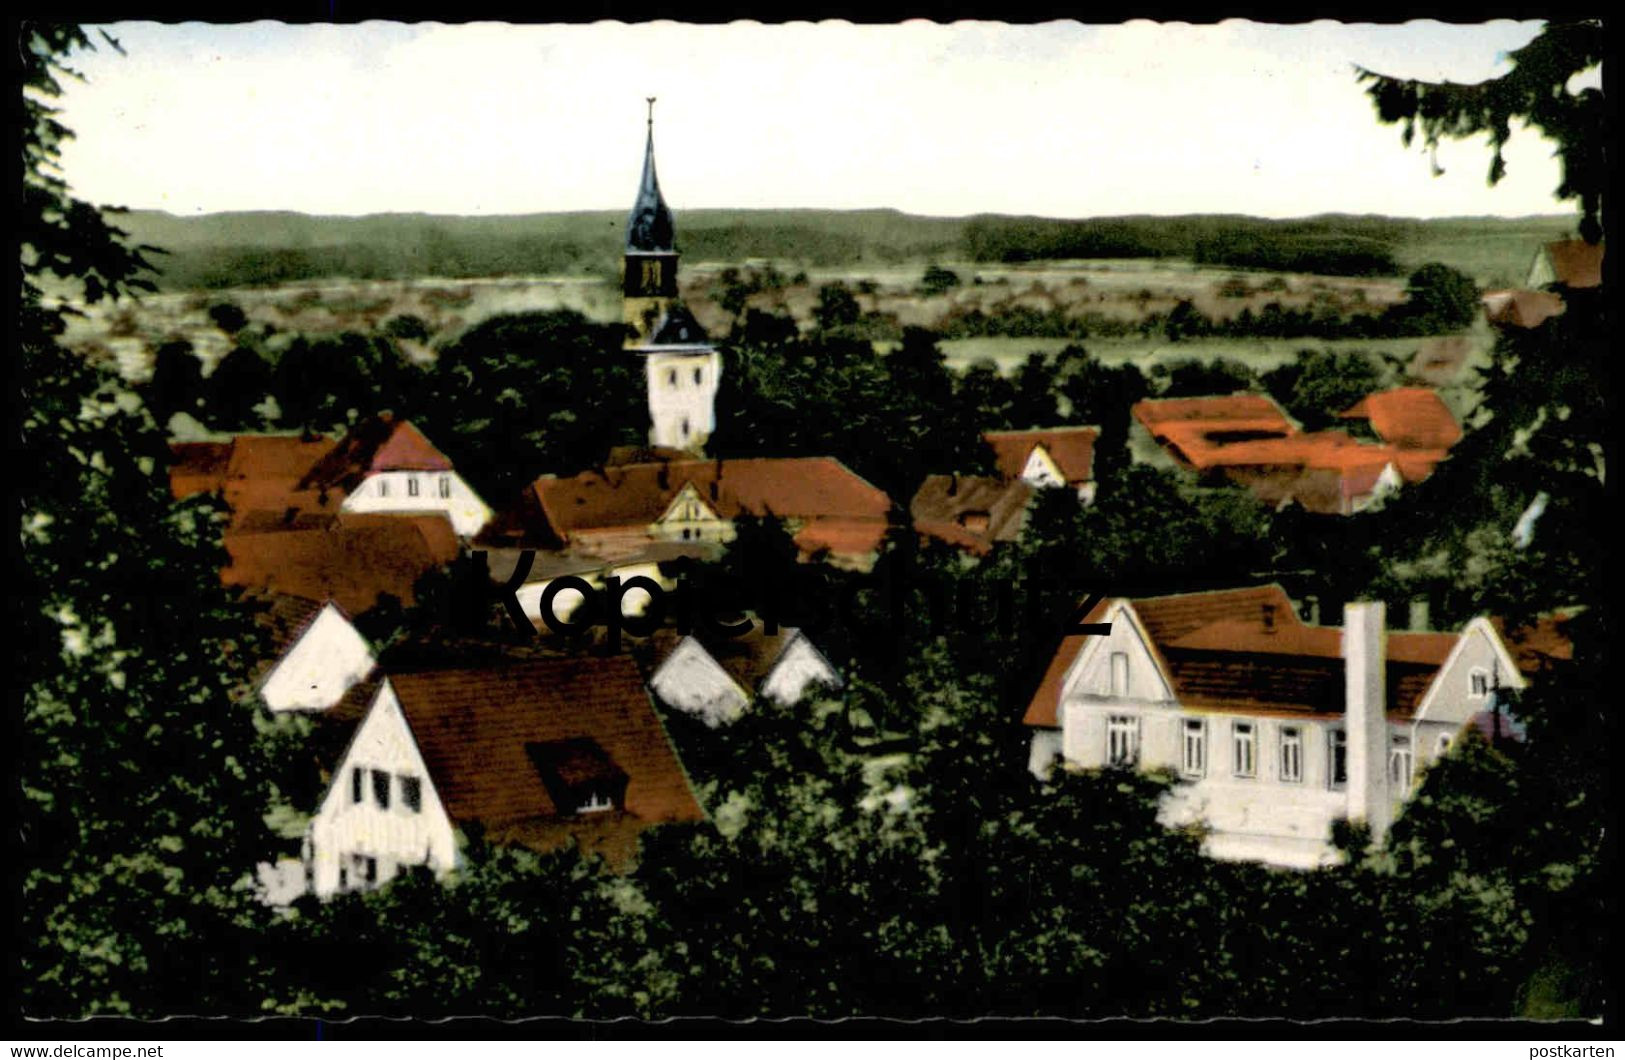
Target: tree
[
  {"x": 1318, "y": 384},
  {"x": 140, "y": 780},
  {"x": 1440, "y": 298},
  {"x": 177, "y": 381},
  {"x": 837, "y": 307},
  {"x": 228, "y": 317},
  {"x": 1536, "y": 92},
  {"x": 938, "y": 280},
  {"x": 236, "y": 388}
]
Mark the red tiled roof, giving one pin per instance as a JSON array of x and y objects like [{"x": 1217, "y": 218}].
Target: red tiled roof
[
  {"x": 1576, "y": 263},
  {"x": 1231, "y": 408},
  {"x": 474, "y": 728},
  {"x": 1410, "y": 417},
  {"x": 970, "y": 512},
  {"x": 834, "y": 504},
  {"x": 1166, "y": 618},
  {"x": 1072, "y": 449},
  {"x": 254, "y": 471},
  {"x": 349, "y": 558},
  {"x": 1537, "y": 645},
  {"x": 198, "y": 467},
  {"x": 1220, "y": 654},
  {"x": 378, "y": 443}
]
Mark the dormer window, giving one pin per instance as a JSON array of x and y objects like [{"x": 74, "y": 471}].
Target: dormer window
[
  {"x": 445, "y": 487},
  {"x": 383, "y": 487},
  {"x": 412, "y": 486},
  {"x": 579, "y": 775}
]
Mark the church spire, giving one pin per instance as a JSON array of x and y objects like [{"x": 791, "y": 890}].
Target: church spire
[{"x": 649, "y": 228}]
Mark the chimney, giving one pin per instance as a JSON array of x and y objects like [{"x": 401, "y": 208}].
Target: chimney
[
  {"x": 1419, "y": 614},
  {"x": 1365, "y": 715},
  {"x": 1311, "y": 610},
  {"x": 1269, "y": 618}
]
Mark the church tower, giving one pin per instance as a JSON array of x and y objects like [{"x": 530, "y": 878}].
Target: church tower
[{"x": 681, "y": 367}]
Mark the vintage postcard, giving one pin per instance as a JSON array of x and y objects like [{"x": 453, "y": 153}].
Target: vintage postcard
[{"x": 919, "y": 521}]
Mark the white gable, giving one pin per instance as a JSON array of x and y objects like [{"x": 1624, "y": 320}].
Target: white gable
[
  {"x": 798, "y": 667},
  {"x": 687, "y": 507},
  {"x": 419, "y": 492},
  {"x": 692, "y": 681},
  {"x": 354, "y": 825},
  {"x": 1124, "y": 653},
  {"x": 1453, "y": 698},
  {"x": 329, "y": 658},
  {"x": 1041, "y": 469}
]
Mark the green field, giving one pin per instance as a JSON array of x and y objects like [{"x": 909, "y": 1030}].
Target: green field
[{"x": 250, "y": 249}]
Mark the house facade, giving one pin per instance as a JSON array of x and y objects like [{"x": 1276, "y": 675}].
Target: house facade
[
  {"x": 1047, "y": 458},
  {"x": 1274, "y": 728},
  {"x": 385, "y": 466}
]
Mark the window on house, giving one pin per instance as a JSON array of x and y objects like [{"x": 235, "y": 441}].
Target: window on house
[
  {"x": 1243, "y": 761},
  {"x": 1119, "y": 673},
  {"x": 355, "y": 784},
  {"x": 1337, "y": 758},
  {"x": 372, "y": 870},
  {"x": 696, "y": 377},
  {"x": 1291, "y": 754},
  {"x": 1122, "y": 740},
  {"x": 685, "y": 426},
  {"x": 1442, "y": 748},
  {"x": 1194, "y": 762},
  {"x": 383, "y": 487},
  {"x": 1399, "y": 763},
  {"x": 445, "y": 486},
  {"x": 380, "y": 788},
  {"x": 412, "y": 794},
  {"x": 344, "y": 878},
  {"x": 412, "y": 486},
  {"x": 1478, "y": 684},
  {"x": 671, "y": 378}
]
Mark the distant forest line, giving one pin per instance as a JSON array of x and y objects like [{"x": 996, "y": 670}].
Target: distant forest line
[{"x": 243, "y": 249}]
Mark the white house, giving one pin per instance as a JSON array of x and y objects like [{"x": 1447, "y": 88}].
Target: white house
[
  {"x": 1275, "y": 728},
  {"x": 382, "y": 811},
  {"x": 718, "y": 679},
  {"x": 538, "y": 752},
  {"x": 324, "y": 658},
  {"x": 386, "y": 466}
]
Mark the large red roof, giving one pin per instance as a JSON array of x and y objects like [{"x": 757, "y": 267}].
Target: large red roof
[
  {"x": 1411, "y": 417},
  {"x": 378, "y": 443},
  {"x": 970, "y": 512},
  {"x": 349, "y": 558}
]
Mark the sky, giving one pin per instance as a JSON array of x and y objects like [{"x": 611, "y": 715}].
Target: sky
[{"x": 1056, "y": 119}]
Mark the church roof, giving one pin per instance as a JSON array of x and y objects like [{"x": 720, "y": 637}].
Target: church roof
[
  {"x": 649, "y": 227},
  {"x": 678, "y": 328}
]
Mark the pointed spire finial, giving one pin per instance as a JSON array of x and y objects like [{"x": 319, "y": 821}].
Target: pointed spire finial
[{"x": 651, "y": 100}]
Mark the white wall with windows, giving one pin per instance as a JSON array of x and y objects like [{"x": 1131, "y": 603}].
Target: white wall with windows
[
  {"x": 682, "y": 389},
  {"x": 381, "y": 812},
  {"x": 414, "y": 492}
]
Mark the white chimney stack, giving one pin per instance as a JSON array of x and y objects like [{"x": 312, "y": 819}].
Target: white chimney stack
[{"x": 1365, "y": 717}]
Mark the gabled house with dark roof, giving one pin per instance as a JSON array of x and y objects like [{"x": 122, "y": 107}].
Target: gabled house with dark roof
[
  {"x": 539, "y": 753},
  {"x": 618, "y": 511},
  {"x": 385, "y": 465},
  {"x": 717, "y": 679},
  {"x": 1276, "y": 728}
]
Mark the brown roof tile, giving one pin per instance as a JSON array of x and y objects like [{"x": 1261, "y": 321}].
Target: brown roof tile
[
  {"x": 1576, "y": 262},
  {"x": 477, "y": 729},
  {"x": 349, "y": 558}
]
